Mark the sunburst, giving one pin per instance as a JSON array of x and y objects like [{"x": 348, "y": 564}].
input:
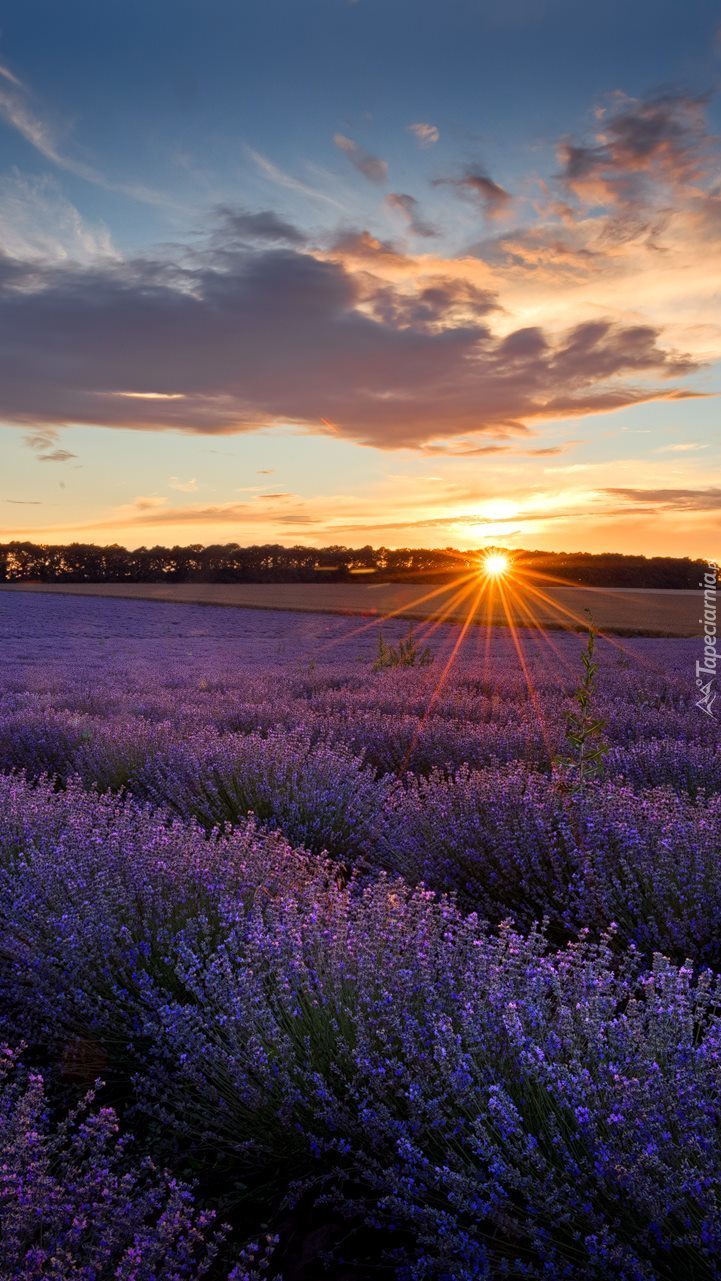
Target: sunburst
[
  {"x": 496, "y": 565},
  {"x": 493, "y": 588}
]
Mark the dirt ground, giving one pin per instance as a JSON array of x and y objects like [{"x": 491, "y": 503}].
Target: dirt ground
[{"x": 623, "y": 611}]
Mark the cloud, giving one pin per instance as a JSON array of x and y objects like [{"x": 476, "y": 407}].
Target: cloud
[
  {"x": 183, "y": 486},
  {"x": 462, "y": 449},
  {"x": 409, "y": 208},
  {"x": 470, "y": 449},
  {"x": 372, "y": 167},
  {"x": 150, "y": 395},
  {"x": 471, "y": 506},
  {"x": 547, "y": 250},
  {"x": 155, "y": 511},
  {"x": 637, "y": 140},
  {"x": 639, "y": 198},
  {"x": 19, "y": 113},
  {"x": 681, "y": 448},
  {"x": 37, "y": 222},
  {"x": 549, "y": 450},
  {"x": 149, "y": 503},
  {"x": 7, "y": 74},
  {"x": 282, "y": 337},
  {"x": 433, "y": 308},
  {"x": 636, "y": 232},
  {"x": 56, "y": 456},
  {"x": 43, "y": 441},
  {"x": 280, "y": 178},
  {"x": 705, "y": 500},
  {"x": 239, "y": 224},
  {"x": 357, "y": 246},
  {"x": 425, "y": 134},
  {"x": 24, "y": 502},
  {"x": 477, "y": 186}
]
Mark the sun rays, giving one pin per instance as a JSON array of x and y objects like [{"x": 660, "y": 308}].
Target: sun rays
[
  {"x": 496, "y": 591},
  {"x": 496, "y": 565},
  {"x": 490, "y": 592}
]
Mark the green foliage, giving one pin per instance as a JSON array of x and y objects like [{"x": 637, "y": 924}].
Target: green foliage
[
  {"x": 407, "y": 653},
  {"x": 586, "y": 744}
]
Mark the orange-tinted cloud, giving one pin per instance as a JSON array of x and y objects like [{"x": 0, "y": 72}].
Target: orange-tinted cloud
[
  {"x": 477, "y": 186},
  {"x": 279, "y": 336},
  {"x": 662, "y": 139}
]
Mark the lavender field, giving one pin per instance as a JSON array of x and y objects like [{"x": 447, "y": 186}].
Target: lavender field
[{"x": 311, "y": 969}]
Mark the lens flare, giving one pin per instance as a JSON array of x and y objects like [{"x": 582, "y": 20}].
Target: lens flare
[{"x": 495, "y": 565}]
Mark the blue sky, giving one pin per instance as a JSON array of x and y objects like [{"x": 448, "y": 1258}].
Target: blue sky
[{"x": 372, "y": 271}]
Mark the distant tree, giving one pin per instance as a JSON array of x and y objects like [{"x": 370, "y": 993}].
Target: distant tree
[{"x": 271, "y": 562}]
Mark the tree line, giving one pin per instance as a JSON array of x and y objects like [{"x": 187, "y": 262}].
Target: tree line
[{"x": 272, "y": 563}]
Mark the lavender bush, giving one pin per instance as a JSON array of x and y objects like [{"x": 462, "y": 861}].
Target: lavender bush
[
  {"x": 345, "y": 951},
  {"x": 76, "y": 1203},
  {"x": 508, "y": 842},
  {"x": 320, "y": 796}
]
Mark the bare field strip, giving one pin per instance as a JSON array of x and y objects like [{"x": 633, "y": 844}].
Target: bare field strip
[{"x": 623, "y": 611}]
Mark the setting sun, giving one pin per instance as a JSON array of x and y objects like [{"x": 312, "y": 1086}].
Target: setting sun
[{"x": 496, "y": 565}]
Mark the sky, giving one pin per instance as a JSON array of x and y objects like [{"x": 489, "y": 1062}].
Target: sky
[{"x": 361, "y": 271}]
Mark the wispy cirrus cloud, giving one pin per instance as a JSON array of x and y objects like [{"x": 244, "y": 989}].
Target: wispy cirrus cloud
[
  {"x": 19, "y": 111},
  {"x": 152, "y": 511},
  {"x": 37, "y": 222},
  {"x": 7, "y": 75},
  {"x": 280, "y": 178},
  {"x": 683, "y": 447}
]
